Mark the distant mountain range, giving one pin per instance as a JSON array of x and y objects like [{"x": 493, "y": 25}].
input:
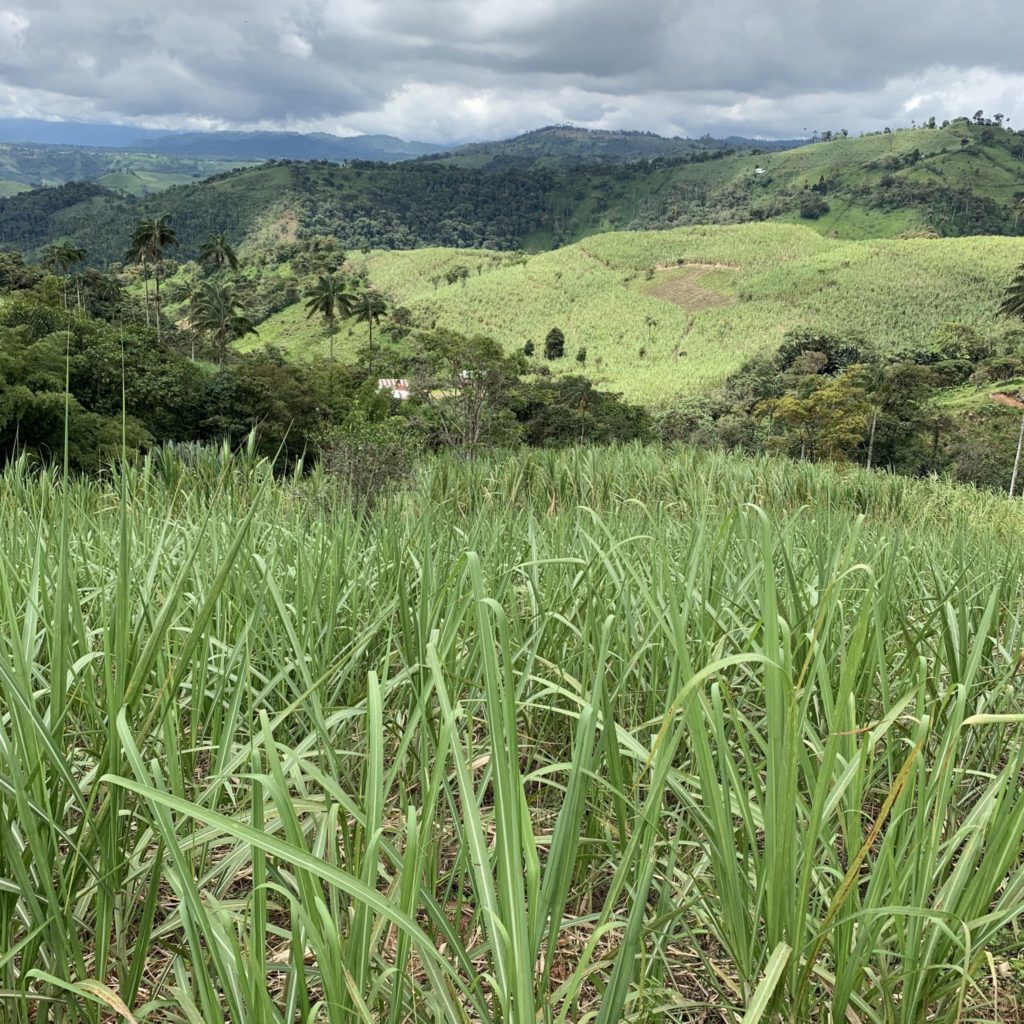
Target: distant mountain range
[
  {"x": 141, "y": 162},
  {"x": 287, "y": 146},
  {"x": 541, "y": 191},
  {"x": 229, "y": 145},
  {"x": 553, "y": 143},
  {"x": 76, "y": 133}
]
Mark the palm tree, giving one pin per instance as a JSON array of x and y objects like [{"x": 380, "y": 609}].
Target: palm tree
[
  {"x": 368, "y": 308},
  {"x": 218, "y": 252},
  {"x": 103, "y": 289},
  {"x": 330, "y": 299},
  {"x": 60, "y": 257},
  {"x": 149, "y": 240},
  {"x": 217, "y": 310},
  {"x": 1013, "y": 301},
  {"x": 650, "y": 323}
]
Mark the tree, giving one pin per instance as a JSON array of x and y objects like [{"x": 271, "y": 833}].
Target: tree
[
  {"x": 650, "y": 323},
  {"x": 528, "y": 349},
  {"x": 570, "y": 410},
  {"x": 149, "y": 241},
  {"x": 217, "y": 311},
  {"x": 330, "y": 299},
  {"x": 367, "y": 308},
  {"x": 581, "y": 355},
  {"x": 813, "y": 207},
  {"x": 1013, "y": 300},
  {"x": 826, "y": 424},
  {"x": 218, "y": 252},
  {"x": 402, "y": 323},
  {"x": 467, "y": 385},
  {"x": 103, "y": 293},
  {"x": 554, "y": 344},
  {"x": 60, "y": 257}
]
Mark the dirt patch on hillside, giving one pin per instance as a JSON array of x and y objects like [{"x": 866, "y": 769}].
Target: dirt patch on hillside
[
  {"x": 683, "y": 287},
  {"x": 1013, "y": 401}
]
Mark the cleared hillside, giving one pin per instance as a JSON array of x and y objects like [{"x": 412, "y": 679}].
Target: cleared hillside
[{"x": 660, "y": 313}]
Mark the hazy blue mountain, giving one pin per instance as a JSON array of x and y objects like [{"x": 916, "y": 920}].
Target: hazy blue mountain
[
  {"x": 288, "y": 146},
  {"x": 75, "y": 133}
]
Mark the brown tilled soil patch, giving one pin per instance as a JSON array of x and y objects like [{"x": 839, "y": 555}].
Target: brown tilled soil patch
[
  {"x": 682, "y": 286},
  {"x": 1013, "y": 401}
]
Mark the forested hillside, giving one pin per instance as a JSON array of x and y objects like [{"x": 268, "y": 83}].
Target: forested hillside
[
  {"x": 562, "y": 144},
  {"x": 963, "y": 179}
]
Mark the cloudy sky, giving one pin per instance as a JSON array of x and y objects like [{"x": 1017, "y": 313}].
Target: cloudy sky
[{"x": 452, "y": 70}]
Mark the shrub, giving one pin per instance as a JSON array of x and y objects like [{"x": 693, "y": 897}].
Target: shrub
[
  {"x": 554, "y": 344},
  {"x": 813, "y": 207},
  {"x": 368, "y": 458}
]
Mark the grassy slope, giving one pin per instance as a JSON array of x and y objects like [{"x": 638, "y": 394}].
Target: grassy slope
[
  {"x": 856, "y": 164},
  {"x": 772, "y": 279},
  {"x": 138, "y": 183},
  {"x": 12, "y": 188}
]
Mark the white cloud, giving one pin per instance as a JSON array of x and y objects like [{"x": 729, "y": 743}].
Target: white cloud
[
  {"x": 293, "y": 45},
  {"x": 13, "y": 28},
  {"x": 458, "y": 69}
]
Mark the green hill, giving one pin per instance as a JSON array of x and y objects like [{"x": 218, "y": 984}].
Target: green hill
[
  {"x": 660, "y": 313},
  {"x": 963, "y": 179},
  {"x": 35, "y": 165},
  {"x": 555, "y": 145}
]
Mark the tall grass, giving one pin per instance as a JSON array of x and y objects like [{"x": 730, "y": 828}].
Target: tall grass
[{"x": 583, "y": 736}]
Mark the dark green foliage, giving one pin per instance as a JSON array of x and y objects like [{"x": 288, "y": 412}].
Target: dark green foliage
[
  {"x": 812, "y": 207},
  {"x": 838, "y": 352},
  {"x": 15, "y": 274},
  {"x": 166, "y": 396},
  {"x": 570, "y": 410},
  {"x": 264, "y": 391},
  {"x": 368, "y": 456},
  {"x": 554, "y": 344},
  {"x": 824, "y": 397},
  {"x": 1013, "y": 303},
  {"x": 464, "y": 389},
  {"x": 217, "y": 311},
  {"x": 468, "y": 393},
  {"x": 218, "y": 253},
  {"x": 528, "y": 350}
]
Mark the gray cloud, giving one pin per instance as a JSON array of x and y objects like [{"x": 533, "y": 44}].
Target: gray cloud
[{"x": 456, "y": 69}]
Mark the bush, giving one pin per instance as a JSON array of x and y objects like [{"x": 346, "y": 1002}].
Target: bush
[
  {"x": 813, "y": 207},
  {"x": 554, "y": 344},
  {"x": 369, "y": 459}
]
